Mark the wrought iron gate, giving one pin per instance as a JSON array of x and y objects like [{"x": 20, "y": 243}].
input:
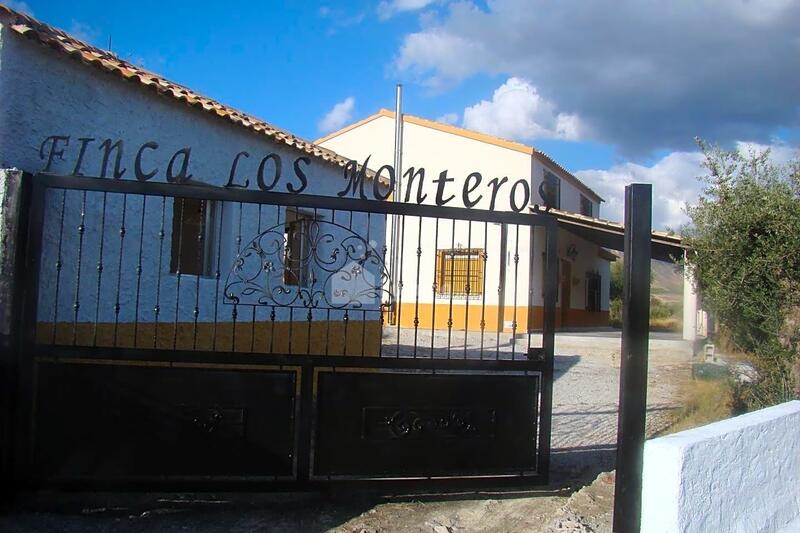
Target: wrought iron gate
[{"x": 179, "y": 332}]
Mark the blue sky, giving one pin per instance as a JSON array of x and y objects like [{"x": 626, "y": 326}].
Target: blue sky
[{"x": 614, "y": 98}]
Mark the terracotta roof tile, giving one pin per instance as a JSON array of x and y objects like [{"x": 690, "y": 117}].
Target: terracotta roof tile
[{"x": 107, "y": 61}]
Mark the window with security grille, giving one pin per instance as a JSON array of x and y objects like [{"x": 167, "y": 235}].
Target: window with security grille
[
  {"x": 297, "y": 251},
  {"x": 193, "y": 236},
  {"x": 459, "y": 272}
]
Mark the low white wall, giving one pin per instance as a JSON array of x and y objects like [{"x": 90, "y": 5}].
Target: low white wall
[{"x": 740, "y": 474}]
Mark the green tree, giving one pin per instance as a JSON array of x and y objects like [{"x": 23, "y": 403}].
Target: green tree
[{"x": 744, "y": 242}]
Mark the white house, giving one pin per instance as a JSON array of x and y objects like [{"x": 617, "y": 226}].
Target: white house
[{"x": 512, "y": 293}]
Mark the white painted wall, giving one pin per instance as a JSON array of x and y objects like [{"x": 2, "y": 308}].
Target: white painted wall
[
  {"x": 737, "y": 475},
  {"x": 45, "y": 93}
]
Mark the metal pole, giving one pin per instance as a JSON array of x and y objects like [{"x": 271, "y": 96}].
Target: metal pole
[
  {"x": 398, "y": 189},
  {"x": 398, "y": 141},
  {"x": 633, "y": 368}
]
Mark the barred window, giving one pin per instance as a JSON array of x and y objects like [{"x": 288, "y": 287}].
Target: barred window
[
  {"x": 297, "y": 236},
  {"x": 193, "y": 236},
  {"x": 459, "y": 272}
]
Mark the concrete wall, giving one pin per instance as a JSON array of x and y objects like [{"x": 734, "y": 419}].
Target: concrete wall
[
  {"x": 737, "y": 475},
  {"x": 45, "y": 93}
]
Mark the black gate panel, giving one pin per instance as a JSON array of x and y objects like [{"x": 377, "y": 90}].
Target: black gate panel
[
  {"x": 384, "y": 423},
  {"x": 107, "y": 422},
  {"x": 179, "y": 332}
]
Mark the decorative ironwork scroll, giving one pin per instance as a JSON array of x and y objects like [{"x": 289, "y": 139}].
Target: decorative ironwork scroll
[
  {"x": 402, "y": 423},
  {"x": 318, "y": 265}
]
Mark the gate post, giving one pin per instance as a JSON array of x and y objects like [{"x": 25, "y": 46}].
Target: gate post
[
  {"x": 13, "y": 197},
  {"x": 548, "y": 343},
  {"x": 633, "y": 367}
]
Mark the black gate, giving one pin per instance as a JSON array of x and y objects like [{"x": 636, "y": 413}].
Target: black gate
[{"x": 186, "y": 333}]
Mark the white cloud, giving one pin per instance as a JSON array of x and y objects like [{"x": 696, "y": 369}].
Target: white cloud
[
  {"x": 674, "y": 184},
  {"x": 389, "y": 8},
  {"x": 448, "y": 118},
  {"x": 441, "y": 56},
  {"x": 518, "y": 111},
  {"x": 651, "y": 77},
  {"x": 338, "y": 116},
  {"x": 674, "y": 180}
]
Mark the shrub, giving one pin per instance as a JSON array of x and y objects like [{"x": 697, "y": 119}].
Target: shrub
[{"x": 744, "y": 239}]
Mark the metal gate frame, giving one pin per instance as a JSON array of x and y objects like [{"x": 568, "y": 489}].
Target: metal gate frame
[{"x": 311, "y": 374}]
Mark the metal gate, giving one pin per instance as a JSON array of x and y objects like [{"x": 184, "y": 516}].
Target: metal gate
[{"x": 187, "y": 333}]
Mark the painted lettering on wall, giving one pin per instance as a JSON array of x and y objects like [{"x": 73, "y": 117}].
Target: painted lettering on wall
[{"x": 149, "y": 160}]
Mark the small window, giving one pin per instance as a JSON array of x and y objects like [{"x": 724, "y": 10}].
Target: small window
[
  {"x": 459, "y": 272},
  {"x": 297, "y": 236},
  {"x": 551, "y": 187},
  {"x": 586, "y": 206},
  {"x": 193, "y": 237},
  {"x": 593, "y": 291}
]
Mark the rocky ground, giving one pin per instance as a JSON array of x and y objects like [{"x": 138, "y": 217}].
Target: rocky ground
[{"x": 584, "y": 432}]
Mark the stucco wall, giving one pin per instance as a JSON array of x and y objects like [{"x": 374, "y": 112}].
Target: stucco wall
[
  {"x": 737, "y": 475},
  {"x": 45, "y": 93}
]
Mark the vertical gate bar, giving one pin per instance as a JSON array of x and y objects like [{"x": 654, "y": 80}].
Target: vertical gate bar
[
  {"x": 516, "y": 288},
  {"x": 99, "y": 269},
  {"x": 452, "y": 282},
  {"x": 310, "y": 315},
  {"x": 139, "y": 274},
  {"x": 178, "y": 272},
  {"x": 328, "y": 311},
  {"x": 205, "y": 215},
  {"x": 484, "y": 257},
  {"x": 501, "y": 286},
  {"x": 217, "y": 276},
  {"x": 416, "y": 299},
  {"x": 531, "y": 285},
  {"x": 467, "y": 287},
  {"x": 59, "y": 259},
  {"x": 633, "y": 366},
  {"x": 435, "y": 285},
  {"x": 253, "y": 328},
  {"x": 77, "y": 305},
  {"x": 235, "y": 309},
  {"x": 548, "y": 345},
  {"x": 272, "y": 308},
  {"x": 367, "y": 250},
  {"x": 23, "y": 422},
  {"x": 119, "y": 265},
  {"x": 157, "y": 307},
  {"x": 384, "y": 282},
  {"x": 291, "y": 325},
  {"x": 400, "y": 278},
  {"x": 347, "y": 310}
]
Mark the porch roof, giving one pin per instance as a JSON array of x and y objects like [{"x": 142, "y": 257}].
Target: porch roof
[{"x": 608, "y": 234}]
